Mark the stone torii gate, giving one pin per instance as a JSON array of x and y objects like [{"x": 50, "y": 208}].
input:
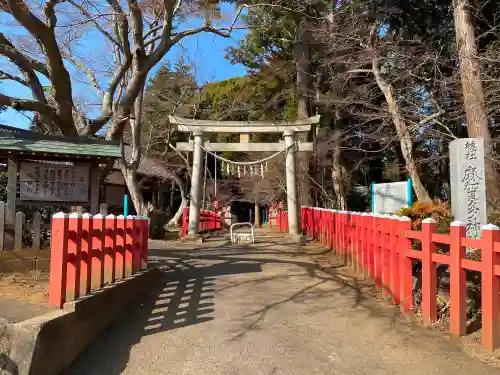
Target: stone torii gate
[{"x": 199, "y": 127}]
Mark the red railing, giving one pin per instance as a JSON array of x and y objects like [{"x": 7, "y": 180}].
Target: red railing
[
  {"x": 209, "y": 220},
  {"x": 280, "y": 221},
  {"x": 88, "y": 252},
  {"x": 380, "y": 247}
]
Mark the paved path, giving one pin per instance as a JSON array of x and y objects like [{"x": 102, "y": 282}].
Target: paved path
[{"x": 264, "y": 310}]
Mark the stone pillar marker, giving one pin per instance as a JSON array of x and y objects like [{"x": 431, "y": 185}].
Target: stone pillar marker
[
  {"x": 468, "y": 189},
  {"x": 196, "y": 180},
  {"x": 291, "y": 185}
]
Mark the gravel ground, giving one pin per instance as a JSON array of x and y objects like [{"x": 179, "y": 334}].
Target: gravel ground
[{"x": 265, "y": 309}]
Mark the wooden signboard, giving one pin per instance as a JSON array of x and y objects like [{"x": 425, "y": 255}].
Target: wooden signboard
[
  {"x": 54, "y": 182},
  {"x": 390, "y": 197}
]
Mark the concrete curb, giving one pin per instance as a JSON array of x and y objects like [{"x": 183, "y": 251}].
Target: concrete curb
[{"x": 48, "y": 344}]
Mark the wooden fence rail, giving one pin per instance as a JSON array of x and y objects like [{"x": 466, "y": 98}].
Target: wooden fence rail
[
  {"x": 18, "y": 229},
  {"x": 380, "y": 248}
]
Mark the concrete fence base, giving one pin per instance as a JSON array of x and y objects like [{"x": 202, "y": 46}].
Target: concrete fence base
[{"x": 48, "y": 344}]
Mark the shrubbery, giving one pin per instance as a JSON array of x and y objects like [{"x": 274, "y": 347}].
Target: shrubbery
[{"x": 437, "y": 210}]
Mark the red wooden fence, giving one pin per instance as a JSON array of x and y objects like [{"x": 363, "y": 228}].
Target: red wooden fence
[
  {"x": 209, "y": 220},
  {"x": 88, "y": 252},
  {"x": 380, "y": 248},
  {"x": 280, "y": 221}
]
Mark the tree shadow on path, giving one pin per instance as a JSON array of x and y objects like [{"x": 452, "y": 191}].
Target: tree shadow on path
[{"x": 183, "y": 295}]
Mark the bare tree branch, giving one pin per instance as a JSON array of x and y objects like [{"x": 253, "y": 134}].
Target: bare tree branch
[
  {"x": 59, "y": 76},
  {"x": 92, "y": 19},
  {"x": 87, "y": 70},
  {"x": 8, "y": 50},
  {"x": 431, "y": 117},
  {"x": 27, "y": 105},
  {"x": 7, "y": 76}
]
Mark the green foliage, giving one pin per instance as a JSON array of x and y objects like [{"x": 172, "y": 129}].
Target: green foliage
[
  {"x": 257, "y": 96},
  {"x": 438, "y": 210},
  {"x": 169, "y": 90},
  {"x": 290, "y": 110}
]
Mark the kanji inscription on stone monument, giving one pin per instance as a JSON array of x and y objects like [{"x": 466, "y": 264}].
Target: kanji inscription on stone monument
[{"x": 468, "y": 193}]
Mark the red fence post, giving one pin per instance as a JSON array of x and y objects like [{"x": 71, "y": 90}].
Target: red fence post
[
  {"x": 386, "y": 255},
  {"x": 144, "y": 241},
  {"x": 368, "y": 243},
  {"x": 362, "y": 239},
  {"x": 405, "y": 266},
  {"x": 347, "y": 238},
  {"x": 429, "y": 278},
  {"x": 86, "y": 262},
  {"x": 322, "y": 215},
  {"x": 348, "y": 232},
  {"x": 394, "y": 260},
  {"x": 359, "y": 244},
  {"x": 326, "y": 227},
  {"x": 371, "y": 247},
  {"x": 458, "y": 283},
  {"x": 129, "y": 245},
  {"x": 136, "y": 246},
  {"x": 74, "y": 256},
  {"x": 338, "y": 237},
  {"x": 331, "y": 241},
  {"x": 342, "y": 241},
  {"x": 98, "y": 250},
  {"x": 58, "y": 259},
  {"x": 377, "y": 247},
  {"x": 338, "y": 232},
  {"x": 353, "y": 239},
  {"x": 120, "y": 247},
  {"x": 109, "y": 246},
  {"x": 490, "y": 288},
  {"x": 185, "y": 221}
]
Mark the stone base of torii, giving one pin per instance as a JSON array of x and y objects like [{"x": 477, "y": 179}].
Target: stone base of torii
[{"x": 199, "y": 128}]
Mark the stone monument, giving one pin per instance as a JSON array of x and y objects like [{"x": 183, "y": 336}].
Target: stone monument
[{"x": 467, "y": 180}]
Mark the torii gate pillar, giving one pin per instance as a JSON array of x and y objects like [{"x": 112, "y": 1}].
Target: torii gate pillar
[
  {"x": 291, "y": 185},
  {"x": 196, "y": 180}
]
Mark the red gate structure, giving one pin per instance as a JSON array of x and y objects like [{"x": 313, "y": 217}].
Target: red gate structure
[{"x": 380, "y": 248}]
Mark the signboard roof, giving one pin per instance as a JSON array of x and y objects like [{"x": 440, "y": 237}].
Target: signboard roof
[{"x": 35, "y": 144}]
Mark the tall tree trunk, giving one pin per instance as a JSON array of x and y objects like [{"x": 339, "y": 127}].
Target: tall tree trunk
[
  {"x": 339, "y": 185},
  {"x": 400, "y": 125},
  {"x": 130, "y": 176},
  {"x": 405, "y": 140},
  {"x": 338, "y": 181},
  {"x": 129, "y": 167},
  {"x": 174, "y": 221},
  {"x": 472, "y": 89},
  {"x": 302, "y": 56}
]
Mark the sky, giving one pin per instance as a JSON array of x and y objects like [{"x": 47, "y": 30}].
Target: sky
[{"x": 204, "y": 51}]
